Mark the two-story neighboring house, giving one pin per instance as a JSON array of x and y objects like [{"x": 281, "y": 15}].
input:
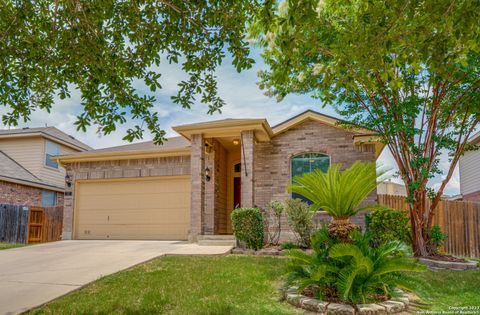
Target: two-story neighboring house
[
  {"x": 28, "y": 175},
  {"x": 469, "y": 166}
]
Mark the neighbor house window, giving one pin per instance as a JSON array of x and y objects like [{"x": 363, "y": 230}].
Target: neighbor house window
[
  {"x": 51, "y": 149},
  {"x": 49, "y": 198},
  {"x": 306, "y": 163}
]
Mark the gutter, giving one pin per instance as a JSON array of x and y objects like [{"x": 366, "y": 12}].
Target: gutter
[
  {"x": 31, "y": 184},
  {"x": 120, "y": 155}
]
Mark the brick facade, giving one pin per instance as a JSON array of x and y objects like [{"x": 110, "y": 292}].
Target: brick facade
[
  {"x": 265, "y": 172},
  {"x": 273, "y": 160},
  {"x": 16, "y": 194},
  {"x": 162, "y": 166}
]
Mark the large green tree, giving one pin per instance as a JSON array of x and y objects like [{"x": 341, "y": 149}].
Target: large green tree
[
  {"x": 410, "y": 70},
  {"x": 104, "y": 48}
]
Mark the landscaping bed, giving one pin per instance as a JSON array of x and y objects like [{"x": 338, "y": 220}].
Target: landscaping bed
[
  {"x": 392, "y": 306},
  {"x": 453, "y": 263}
]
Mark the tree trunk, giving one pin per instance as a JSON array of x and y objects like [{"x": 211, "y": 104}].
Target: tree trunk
[{"x": 419, "y": 223}]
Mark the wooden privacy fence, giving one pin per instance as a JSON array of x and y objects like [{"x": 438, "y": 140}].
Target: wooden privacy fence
[
  {"x": 22, "y": 224},
  {"x": 460, "y": 220}
]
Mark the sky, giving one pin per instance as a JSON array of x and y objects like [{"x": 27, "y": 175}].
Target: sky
[{"x": 243, "y": 100}]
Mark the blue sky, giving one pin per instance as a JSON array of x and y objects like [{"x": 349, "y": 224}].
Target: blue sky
[{"x": 240, "y": 92}]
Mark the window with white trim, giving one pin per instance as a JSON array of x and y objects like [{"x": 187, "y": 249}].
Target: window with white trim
[{"x": 51, "y": 149}]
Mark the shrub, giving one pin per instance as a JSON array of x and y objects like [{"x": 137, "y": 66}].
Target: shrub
[
  {"x": 437, "y": 237},
  {"x": 354, "y": 272},
  {"x": 299, "y": 217},
  {"x": 273, "y": 223},
  {"x": 288, "y": 245},
  {"x": 248, "y": 227},
  {"x": 387, "y": 225}
]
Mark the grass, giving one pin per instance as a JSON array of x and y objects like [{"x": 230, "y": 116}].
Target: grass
[
  {"x": 453, "y": 288},
  {"x": 183, "y": 285},
  {"x": 222, "y": 285},
  {"x": 8, "y": 245}
]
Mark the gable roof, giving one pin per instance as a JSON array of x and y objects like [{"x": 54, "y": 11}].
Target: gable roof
[
  {"x": 11, "y": 171},
  {"x": 50, "y": 133},
  {"x": 172, "y": 146},
  {"x": 227, "y": 127},
  {"x": 319, "y": 117},
  {"x": 218, "y": 128}
]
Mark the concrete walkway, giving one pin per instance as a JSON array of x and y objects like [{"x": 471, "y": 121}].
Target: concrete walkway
[{"x": 33, "y": 275}]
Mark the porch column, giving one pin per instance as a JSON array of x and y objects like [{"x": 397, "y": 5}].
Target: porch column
[
  {"x": 197, "y": 201},
  {"x": 209, "y": 212},
  {"x": 67, "y": 227},
  {"x": 247, "y": 152}
]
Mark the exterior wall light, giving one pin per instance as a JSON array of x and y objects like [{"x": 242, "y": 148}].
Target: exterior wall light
[
  {"x": 68, "y": 180},
  {"x": 207, "y": 174}
]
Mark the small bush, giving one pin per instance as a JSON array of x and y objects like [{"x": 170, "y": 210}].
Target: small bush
[
  {"x": 299, "y": 216},
  {"x": 288, "y": 245},
  {"x": 248, "y": 227},
  {"x": 273, "y": 222},
  {"x": 437, "y": 237},
  {"x": 388, "y": 225}
]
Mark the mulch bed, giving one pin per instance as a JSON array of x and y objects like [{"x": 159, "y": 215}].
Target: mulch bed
[{"x": 445, "y": 258}]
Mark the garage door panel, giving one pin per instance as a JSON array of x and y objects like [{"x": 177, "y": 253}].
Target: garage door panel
[
  {"x": 133, "y": 232},
  {"x": 158, "y": 200},
  {"x": 133, "y": 209},
  {"x": 139, "y": 188},
  {"x": 133, "y": 217}
]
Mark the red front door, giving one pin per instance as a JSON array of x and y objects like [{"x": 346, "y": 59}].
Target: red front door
[{"x": 237, "y": 192}]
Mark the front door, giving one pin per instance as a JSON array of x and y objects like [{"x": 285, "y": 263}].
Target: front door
[{"x": 237, "y": 192}]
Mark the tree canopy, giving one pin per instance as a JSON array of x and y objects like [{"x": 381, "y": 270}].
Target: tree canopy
[
  {"x": 409, "y": 70},
  {"x": 103, "y": 47}
]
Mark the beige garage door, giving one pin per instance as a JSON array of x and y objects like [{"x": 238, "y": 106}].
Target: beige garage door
[{"x": 148, "y": 208}]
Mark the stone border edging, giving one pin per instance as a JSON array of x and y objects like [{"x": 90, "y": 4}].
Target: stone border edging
[
  {"x": 395, "y": 305},
  {"x": 449, "y": 265}
]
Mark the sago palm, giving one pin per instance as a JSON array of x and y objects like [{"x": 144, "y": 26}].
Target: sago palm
[
  {"x": 339, "y": 193},
  {"x": 354, "y": 272}
]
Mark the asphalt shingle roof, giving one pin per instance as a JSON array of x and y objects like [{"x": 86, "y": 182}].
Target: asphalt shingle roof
[
  {"x": 51, "y": 131},
  {"x": 10, "y": 169},
  {"x": 171, "y": 143}
]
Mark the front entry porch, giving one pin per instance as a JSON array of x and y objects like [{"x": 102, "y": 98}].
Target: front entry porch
[
  {"x": 222, "y": 182},
  {"x": 222, "y": 171}
]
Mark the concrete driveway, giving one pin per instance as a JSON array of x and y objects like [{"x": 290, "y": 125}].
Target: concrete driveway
[{"x": 33, "y": 275}]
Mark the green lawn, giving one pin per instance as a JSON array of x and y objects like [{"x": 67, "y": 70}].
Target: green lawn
[
  {"x": 8, "y": 245},
  {"x": 183, "y": 285},
  {"x": 453, "y": 288},
  {"x": 221, "y": 285}
]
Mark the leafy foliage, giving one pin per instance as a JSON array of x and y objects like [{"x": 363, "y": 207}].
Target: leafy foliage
[
  {"x": 299, "y": 216},
  {"x": 273, "y": 222},
  {"x": 102, "y": 48},
  {"x": 408, "y": 70},
  {"x": 437, "y": 237},
  {"x": 339, "y": 193},
  {"x": 248, "y": 227},
  {"x": 354, "y": 272},
  {"x": 288, "y": 245},
  {"x": 386, "y": 225}
]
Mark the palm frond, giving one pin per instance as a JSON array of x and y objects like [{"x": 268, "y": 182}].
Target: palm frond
[{"x": 340, "y": 193}]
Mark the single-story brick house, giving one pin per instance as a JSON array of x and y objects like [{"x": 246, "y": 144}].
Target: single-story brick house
[{"x": 189, "y": 186}]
